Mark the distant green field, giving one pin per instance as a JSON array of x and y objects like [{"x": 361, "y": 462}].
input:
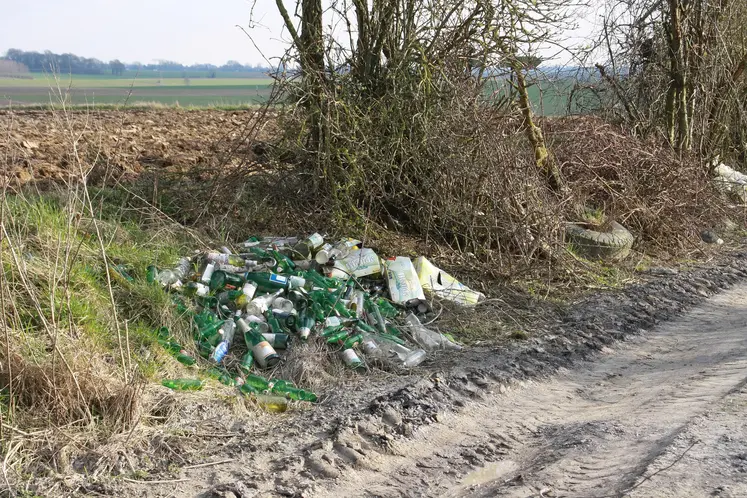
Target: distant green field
[
  {"x": 548, "y": 96},
  {"x": 110, "y": 90},
  {"x": 114, "y": 101}
]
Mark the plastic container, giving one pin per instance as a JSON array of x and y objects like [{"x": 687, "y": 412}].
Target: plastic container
[{"x": 403, "y": 281}]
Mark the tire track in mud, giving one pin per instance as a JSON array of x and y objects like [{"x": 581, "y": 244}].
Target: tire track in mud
[{"x": 590, "y": 431}]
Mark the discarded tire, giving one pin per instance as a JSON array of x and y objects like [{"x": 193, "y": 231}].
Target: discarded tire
[{"x": 607, "y": 246}]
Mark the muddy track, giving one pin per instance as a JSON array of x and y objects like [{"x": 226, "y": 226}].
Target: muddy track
[
  {"x": 583, "y": 408},
  {"x": 593, "y": 431}
]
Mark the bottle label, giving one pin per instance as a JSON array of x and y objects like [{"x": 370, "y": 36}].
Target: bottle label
[
  {"x": 220, "y": 351},
  {"x": 262, "y": 351},
  {"x": 350, "y": 358},
  {"x": 278, "y": 279},
  {"x": 369, "y": 347}
]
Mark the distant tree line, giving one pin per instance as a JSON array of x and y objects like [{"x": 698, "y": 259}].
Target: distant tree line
[{"x": 73, "y": 64}]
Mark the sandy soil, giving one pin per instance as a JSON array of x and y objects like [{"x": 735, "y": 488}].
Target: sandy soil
[{"x": 663, "y": 416}]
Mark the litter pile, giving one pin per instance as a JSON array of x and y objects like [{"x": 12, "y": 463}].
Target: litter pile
[{"x": 275, "y": 291}]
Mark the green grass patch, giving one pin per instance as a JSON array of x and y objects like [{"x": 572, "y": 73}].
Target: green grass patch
[{"x": 55, "y": 261}]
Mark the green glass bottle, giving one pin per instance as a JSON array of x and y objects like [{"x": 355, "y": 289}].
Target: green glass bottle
[
  {"x": 317, "y": 311},
  {"x": 183, "y": 384},
  {"x": 352, "y": 341},
  {"x": 391, "y": 329},
  {"x": 245, "y": 365},
  {"x": 264, "y": 354},
  {"x": 309, "y": 245},
  {"x": 257, "y": 382},
  {"x": 151, "y": 274},
  {"x": 224, "y": 280},
  {"x": 247, "y": 390},
  {"x": 273, "y": 404},
  {"x": 293, "y": 392},
  {"x": 365, "y": 327},
  {"x": 273, "y": 322},
  {"x": 375, "y": 312},
  {"x": 393, "y": 338},
  {"x": 208, "y": 326},
  {"x": 386, "y": 308},
  {"x": 230, "y": 296},
  {"x": 339, "y": 337},
  {"x": 185, "y": 358},
  {"x": 332, "y": 331},
  {"x": 221, "y": 376},
  {"x": 269, "y": 282},
  {"x": 284, "y": 263},
  {"x": 278, "y": 341},
  {"x": 305, "y": 323}
]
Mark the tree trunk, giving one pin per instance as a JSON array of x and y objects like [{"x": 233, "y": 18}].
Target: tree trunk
[
  {"x": 677, "y": 121},
  {"x": 543, "y": 159}
]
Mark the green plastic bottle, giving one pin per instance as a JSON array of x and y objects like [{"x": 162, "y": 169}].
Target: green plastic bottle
[{"x": 183, "y": 384}]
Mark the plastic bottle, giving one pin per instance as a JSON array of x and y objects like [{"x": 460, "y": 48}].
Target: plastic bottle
[
  {"x": 225, "y": 259},
  {"x": 227, "y": 332},
  {"x": 175, "y": 276},
  {"x": 429, "y": 339},
  {"x": 389, "y": 351}
]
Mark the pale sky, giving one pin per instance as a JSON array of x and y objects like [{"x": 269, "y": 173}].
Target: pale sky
[{"x": 186, "y": 31}]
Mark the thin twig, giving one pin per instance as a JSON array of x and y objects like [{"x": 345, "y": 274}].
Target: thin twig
[
  {"x": 165, "y": 481},
  {"x": 208, "y": 464}
]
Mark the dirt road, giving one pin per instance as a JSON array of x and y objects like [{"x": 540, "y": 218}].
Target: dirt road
[{"x": 662, "y": 415}]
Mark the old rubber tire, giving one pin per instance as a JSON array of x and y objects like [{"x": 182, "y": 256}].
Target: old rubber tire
[{"x": 606, "y": 246}]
